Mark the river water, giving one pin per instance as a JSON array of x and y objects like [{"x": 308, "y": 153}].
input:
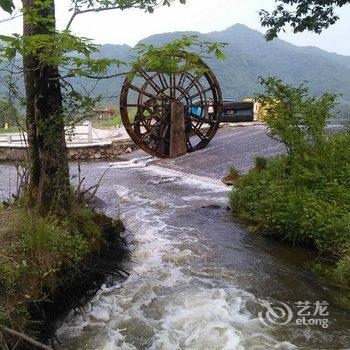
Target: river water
[{"x": 198, "y": 279}]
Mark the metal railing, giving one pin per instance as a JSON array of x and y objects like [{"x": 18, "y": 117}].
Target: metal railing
[
  {"x": 13, "y": 138},
  {"x": 74, "y": 137}
]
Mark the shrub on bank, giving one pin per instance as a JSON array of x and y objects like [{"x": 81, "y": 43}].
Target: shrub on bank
[{"x": 304, "y": 196}]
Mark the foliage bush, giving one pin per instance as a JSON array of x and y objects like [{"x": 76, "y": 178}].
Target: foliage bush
[
  {"x": 36, "y": 253},
  {"x": 304, "y": 196},
  {"x": 234, "y": 172},
  {"x": 260, "y": 163},
  {"x": 42, "y": 246}
]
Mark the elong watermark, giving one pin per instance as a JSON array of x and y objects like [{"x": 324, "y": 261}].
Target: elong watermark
[{"x": 306, "y": 313}]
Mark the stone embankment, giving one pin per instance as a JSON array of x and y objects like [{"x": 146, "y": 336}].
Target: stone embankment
[
  {"x": 86, "y": 145},
  {"x": 77, "y": 152}
]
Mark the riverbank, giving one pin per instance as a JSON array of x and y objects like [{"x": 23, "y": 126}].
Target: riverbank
[
  {"x": 48, "y": 267},
  {"x": 304, "y": 199}
]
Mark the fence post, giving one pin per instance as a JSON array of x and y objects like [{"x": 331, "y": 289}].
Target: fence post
[
  {"x": 90, "y": 135},
  {"x": 9, "y": 139}
]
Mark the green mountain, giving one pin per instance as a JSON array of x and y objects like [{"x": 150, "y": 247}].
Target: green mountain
[{"x": 248, "y": 57}]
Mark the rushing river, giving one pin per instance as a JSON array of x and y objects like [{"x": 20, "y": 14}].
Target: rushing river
[{"x": 198, "y": 279}]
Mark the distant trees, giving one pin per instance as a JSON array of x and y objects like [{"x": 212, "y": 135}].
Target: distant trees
[
  {"x": 8, "y": 113},
  {"x": 301, "y": 15},
  {"x": 344, "y": 112}
]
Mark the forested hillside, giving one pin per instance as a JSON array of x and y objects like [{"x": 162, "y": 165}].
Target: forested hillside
[{"x": 248, "y": 57}]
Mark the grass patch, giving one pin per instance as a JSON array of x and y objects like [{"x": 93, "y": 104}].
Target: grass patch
[
  {"x": 115, "y": 122},
  {"x": 108, "y": 123},
  {"x": 232, "y": 177},
  {"x": 11, "y": 129},
  {"x": 234, "y": 172},
  {"x": 35, "y": 252},
  {"x": 260, "y": 163}
]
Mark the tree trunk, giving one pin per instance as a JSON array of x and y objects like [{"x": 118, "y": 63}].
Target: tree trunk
[{"x": 49, "y": 187}]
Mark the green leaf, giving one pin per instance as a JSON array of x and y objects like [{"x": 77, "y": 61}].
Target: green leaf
[
  {"x": 220, "y": 54},
  {"x": 10, "y": 53},
  {"x": 6, "y": 38},
  {"x": 7, "y": 5}
]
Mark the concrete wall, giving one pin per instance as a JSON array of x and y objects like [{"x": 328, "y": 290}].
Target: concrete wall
[{"x": 86, "y": 152}]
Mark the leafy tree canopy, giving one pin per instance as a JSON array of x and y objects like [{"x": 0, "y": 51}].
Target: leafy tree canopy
[
  {"x": 301, "y": 15},
  {"x": 72, "y": 54},
  {"x": 82, "y": 6},
  {"x": 293, "y": 116}
]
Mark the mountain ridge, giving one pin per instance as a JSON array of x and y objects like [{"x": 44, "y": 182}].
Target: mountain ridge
[{"x": 249, "y": 56}]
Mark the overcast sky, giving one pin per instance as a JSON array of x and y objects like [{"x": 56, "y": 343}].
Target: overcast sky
[{"x": 116, "y": 27}]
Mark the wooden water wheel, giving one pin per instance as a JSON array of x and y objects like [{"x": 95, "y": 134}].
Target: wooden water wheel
[{"x": 168, "y": 115}]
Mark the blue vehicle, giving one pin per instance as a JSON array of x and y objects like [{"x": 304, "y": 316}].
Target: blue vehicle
[{"x": 197, "y": 112}]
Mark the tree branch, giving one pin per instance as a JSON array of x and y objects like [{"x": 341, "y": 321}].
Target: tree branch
[
  {"x": 80, "y": 12},
  {"x": 25, "y": 337},
  {"x": 14, "y": 16},
  {"x": 133, "y": 4},
  {"x": 90, "y": 76}
]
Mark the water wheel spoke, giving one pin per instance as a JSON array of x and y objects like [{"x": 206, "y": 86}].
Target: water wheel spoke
[
  {"x": 198, "y": 132},
  {"x": 173, "y": 86},
  {"x": 143, "y": 92},
  {"x": 152, "y": 82},
  {"x": 189, "y": 87},
  {"x": 156, "y": 117},
  {"x": 163, "y": 81},
  {"x": 150, "y": 111},
  {"x": 171, "y": 90},
  {"x": 202, "y": 119},
  {"x": 189, "y": 145},
  {"x": 164, "y": 115},
  {"x": 201, "y": 92},
  {"x": 140, "y": 107},
  {"x": 146, "y": 122},
  {"x": 147, "y": 136},
  {"x": 153, "y": 127},
  {"x": 135, "y": 123},
  {"x": 182, "y": 80}
]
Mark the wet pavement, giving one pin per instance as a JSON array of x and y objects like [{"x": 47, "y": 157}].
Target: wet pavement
[{"x": 235, "y": 145}]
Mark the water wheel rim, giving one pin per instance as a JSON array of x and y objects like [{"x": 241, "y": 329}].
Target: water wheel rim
[{"x": 148, "y": 140}]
